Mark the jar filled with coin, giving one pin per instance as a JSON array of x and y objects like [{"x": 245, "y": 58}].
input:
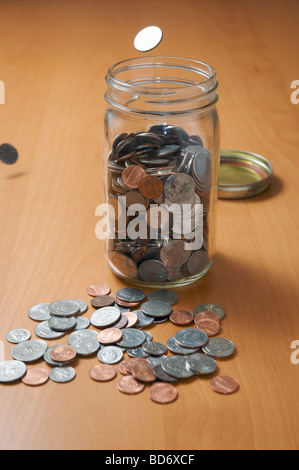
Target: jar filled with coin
[{"x": 161, "y": 160}]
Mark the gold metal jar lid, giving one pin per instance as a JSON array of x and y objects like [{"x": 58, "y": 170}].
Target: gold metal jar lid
[{"x": 243, "y": 174}]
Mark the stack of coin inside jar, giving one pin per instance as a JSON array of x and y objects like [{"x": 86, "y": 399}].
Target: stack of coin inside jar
[{"x": 163, "y": 175}]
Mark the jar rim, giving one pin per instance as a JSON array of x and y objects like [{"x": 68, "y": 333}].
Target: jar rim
[{"x": 207, "y": 84}]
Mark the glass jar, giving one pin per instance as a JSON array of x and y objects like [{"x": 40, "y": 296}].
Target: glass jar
[{"x": 161, "y": 162}]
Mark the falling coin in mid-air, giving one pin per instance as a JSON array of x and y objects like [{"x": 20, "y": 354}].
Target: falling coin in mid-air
[{"x": 148, "y": 38}]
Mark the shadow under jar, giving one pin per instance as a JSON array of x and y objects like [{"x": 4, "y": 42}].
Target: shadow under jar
[{"x": 161, "y": 162}]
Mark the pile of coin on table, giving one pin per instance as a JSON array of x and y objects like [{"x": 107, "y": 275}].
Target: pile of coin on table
[
  {"x": 164, "y": 166},
  {"x": 194, "y": 347}
]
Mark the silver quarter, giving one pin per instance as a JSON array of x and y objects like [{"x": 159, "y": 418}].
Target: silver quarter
[
  {"x": 29, "y": 351},
  {"x": 130, "y": 294},
  {"x": 62, "y": 374},
  {"x": 42, "y": 330},
  {"x": 161, "y": 375},
  {"x": 137, "y": 352},
  {"x": 143, "y": 320},
  {"x": 156, "y": 308},
  {"x": 191, "y": 338},
  {"x": 64, "y": 308},
  {"x": 166, "y": 295},
  {"x": 105, "y": 316},
  {"x": 219, "y": 347},
  {"x": 110, "y": 355},
  {"x": 39, "y": 312},
  {"x": 18, "y": 335},
  {"x": 201, "y": 363},
  {"x": 177, "y": 366},
  {"x": 154, "y": 348},
  {"x": 62, "y": 324},
  {"x": 86, "y": 346},
  {"x": 175, "y": 348},
  {"x": 132, "y": 338},
  {"x": 10, "y": 371},
  {"x": 156, "y": 360},
  {"x": 81, "y": 334}
]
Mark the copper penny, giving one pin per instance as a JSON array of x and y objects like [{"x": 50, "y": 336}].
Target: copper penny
[
  {"x": 124, "y": 265},
  {"x": 122, "y": 323},
  {"x": 151, "y": 187},
  {"x": 144, "y": 372},
  {"x": 134, "y": 361},
  {"x": 102, "y": 301},
  {"x": 132, "y": 319},
  {"x": 98, "y": 289},
  {"x": 124, "y": 303},
  {"x": 63, "y": 353},
  {"x": 122, "y": 368},
  {"x": 129, "y": 385},
  {"x": 132, "y": 175},
  {"x": 36, "y": 376},
  {"x": 110, "y": 336},
  {"x": 162, "y": 392},
  {"x": 174, "y": 253},
  {"x": 102, "y": 372},
  {"x": 210, "y": 327},
  {"x": 181, "y": 317},
  {"x": 224, "y": 384},
  {"x": 206, "y": 315}
]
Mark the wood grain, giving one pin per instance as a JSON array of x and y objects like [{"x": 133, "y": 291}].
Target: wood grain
[{"x": 54, "y": 56}]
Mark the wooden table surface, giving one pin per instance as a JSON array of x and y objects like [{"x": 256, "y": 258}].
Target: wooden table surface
[{"x": 54, "y": 56}]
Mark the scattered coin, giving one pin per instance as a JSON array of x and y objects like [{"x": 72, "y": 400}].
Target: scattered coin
[
  {"x": 154, "y": 348},
  {"x": 96, "y": 290},
  {"x": 133, "y": 361},
  {"x": 40, "y": 312},
  {"x": 29, "y": 351},
  {"x": 122, "y": 323},
  {"x": 50, "y": 362},
  {"x": 8, "y": 154},
  {"x": 143, "y": 320},
  {"x": 63, "y": 353},
  {"x": 85, "y": 346},
  {"x": 163, "y": 392},
  {"x": 191, "y": 338},
  {"x": 181, "y": 317},
  {"x": 210, "y": 327},
  {"x": 110, "y": 355},
  {"x": 82, "y": 305},
  {"x": 177, "y": 366},
  {"x": 42, "y": 330},
  {"x": 81, "y": 334},
  {"x": 161, "y": 375},
  {"x": 62, "y": 324},
  {"x": 219, "y": 347},
  {"x": 64, "y": 308},
  {"x": 130, "y": 294},
  {"x": 175, "y": 348},
  {"x": 164, "y": 295},
  {"x": 105, "y": 317},
  {"x": 11, "y": 371},
  {"x": 122, "y": 368},
  {"x": 137, "y": 352},
  {"x": 123, "y": 303},
  {"x": 144, "y": 372},
  {"x": 132, "y": 338},
  {"x": 102, "y": 301},
  {"x": 18, "y": 335},
  {"x": 156, "y": 308},
  {"x": 132, "y": 319},
  {"x": 148, "y": 38},
  {"x": 82, "y": 323},
  {"x": 224, "y": 384},
  {"x": 110, "y": 336},
  {"x": 36, "y": 376},
  {"x": 129, "y": 385},
  {"x": 206, "y": 315},
  {"x": 62, "y": 374},
  {"x": 201, "y": 363},
  {"x": 220, "y": 312},
  {"x": 102, "y": 372}
]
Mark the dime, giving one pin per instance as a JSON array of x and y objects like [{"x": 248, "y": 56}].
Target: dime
[
  {"x": 148, "y": 335},
  {"x": 211, "y": 308},
  {"x": 144, "y": 372},
  {"x": 137, "y": 352},
  {"x": 29, "y": 351},
  {"x": 154, "y": 348},
  {"x": 82, "y": 305},
  {"x": 62, "y": 374},
  {"x": 163, "y": 392},
  {"x": 63, "y": 353},
  {"x": 62, "y": 324},
  {"x": 18, "y": 335},
  {"x": 36, "y": 376},
  {"x": 102, "y": 301},
  {"x": 143, "y": 320},
  {"x": 156, "y": 308},
  {"x": 82, "y": 323},
  {"x": 39, "y": 312},
  {"x": 85, "y": 346},
  {"x": 104, "y": 317},
  {"x": 201, "y": 364},
  {"x": 10, "y": 371},
  {"x": 174, "y": 253},
  {"x": 8, "y": 154},
  {"x": 224, "y": 384},
  {"x": 210, "y": 327},
  {"x": 151, "y": 187},
  {"x": 81, "y": 334},
  {"x": 124, "y": 265},
  {"x": 153, "y": 271},
  {"x": 175, "y": 348},
  {"x": 161, "y": 375},
  {"x": 132, "y": 318},
  {"x": 132, "y": 175},
  {"x": 181, "y": 317},
  {"x": 219, "y": 347},
  {"x": 132, "y": 338},
  {"x": 64, "y": 308},
  {"x": 42, "y": 330},
  {"x": 110, "y": 355},
  {"x": 130, "y": 294},
  {"x": 102, "y": 372},
  {"x": 177, "y": 366},
  {"x": 191, "y": 338},
  {"x": 48, "y": 360},
  {"x": 129, "y": 385},
  {"x": 110, "y": 336},
  {"x": 96, "y": 290},
  {"x": 148, "y": 38},
  {"x": 206, "y": 316},
  {"x": 165, "y": 295}
]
